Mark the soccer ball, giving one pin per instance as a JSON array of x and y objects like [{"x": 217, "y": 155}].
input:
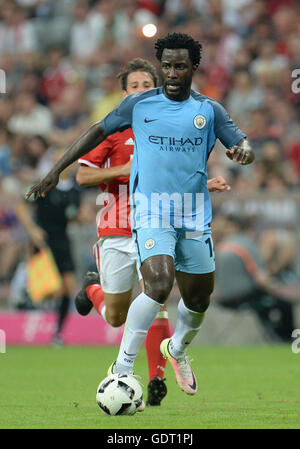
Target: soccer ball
[{"x": 119, "y": 394}]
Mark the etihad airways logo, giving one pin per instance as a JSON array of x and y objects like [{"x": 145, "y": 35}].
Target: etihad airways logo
[{"x": 168, "y": 143}]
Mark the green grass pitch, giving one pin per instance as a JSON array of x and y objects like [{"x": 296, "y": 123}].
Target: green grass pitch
[{"x": 238, "y": 388}]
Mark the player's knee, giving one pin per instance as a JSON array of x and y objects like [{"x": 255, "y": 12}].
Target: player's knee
[
  {"x": 159, "y": 289},
  {"x": 116, "y": 319},
  {"x": 198, "y": 303},
  {"x": 203, "y": 304}
]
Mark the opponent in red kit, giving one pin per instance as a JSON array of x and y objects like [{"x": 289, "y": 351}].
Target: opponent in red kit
[{"x": 108, "y": 165}]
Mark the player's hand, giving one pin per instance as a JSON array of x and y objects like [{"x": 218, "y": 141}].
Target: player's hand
[
  {"x": 126, "y": 168},
  {"x": 241, "y": 153},
  {"x": 218, "y": 184},
  {"x": 43, "y": 187}
]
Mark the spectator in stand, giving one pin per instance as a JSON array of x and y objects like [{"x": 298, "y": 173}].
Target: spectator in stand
[
  {"x": 29, "y": 116},
  {"x": 39, "y": 156},
  {"x": 123, "y": 19},
  {"x": 30, "y": 83},
  {"x": 235, "y": 15},
  {"x": 244, "y": 96},
  {"x": 238, "y": 253},
  {"x": 258, "y": 129},
  {"x": 202, "y": 84},
  {"x": 70, "y": 114},
  {"x": 13, "y": 72},
  {"x": 229, "y": 43},
  {"x": 56, "y": 75},
  {"x": 267, "y": 66},
  {"x": 9, "y": 241},
  {"x": 6, "y": 109},
  {"x": 242, "y": 59},
  {"x": 285, "y": 20},
  {"x": 5, "y": 153},
  {"x": 216, "y": 73},
  {"x": 110, "y": 98},
  {"x": 178, "y": 12},
  {"x": 283, "y": 121},
  {"x": 17, "y": 35},
  {"x": 293, "y": 151},
  {"x": 87, "y": 32},
  {"x": 273, "y": 169},
  {"x": 278, "y": 250}
]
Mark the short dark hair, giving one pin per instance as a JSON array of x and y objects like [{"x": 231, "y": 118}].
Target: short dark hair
[
  {"x": 137, "y": 65},
  {"x": 179, "y": 40}
]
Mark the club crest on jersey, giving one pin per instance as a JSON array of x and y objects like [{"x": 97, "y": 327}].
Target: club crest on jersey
[
  {"x": 149, "y": 243},
  {"x": 199, "y": 121}
]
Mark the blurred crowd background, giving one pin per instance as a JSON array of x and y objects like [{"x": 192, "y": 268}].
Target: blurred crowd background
[{"x": 61, "y": 59}]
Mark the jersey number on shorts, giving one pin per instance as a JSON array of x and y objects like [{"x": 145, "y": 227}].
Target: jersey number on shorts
[{"x": 208, "y": 242}]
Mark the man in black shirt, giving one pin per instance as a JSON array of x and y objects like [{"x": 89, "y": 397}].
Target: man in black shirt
[{"x": 47, "y": 226}]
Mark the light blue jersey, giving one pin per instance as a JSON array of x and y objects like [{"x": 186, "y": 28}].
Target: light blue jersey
[{"x": 173, "y": 140}]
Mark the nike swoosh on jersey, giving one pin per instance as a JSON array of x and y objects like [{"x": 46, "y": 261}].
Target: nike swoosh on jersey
[{"x": 146, "y": 120}]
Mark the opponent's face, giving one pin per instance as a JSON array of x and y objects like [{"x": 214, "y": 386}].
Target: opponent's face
[
  {"x": 138, "y": 82},
  {"x": 177, "y": 73}
]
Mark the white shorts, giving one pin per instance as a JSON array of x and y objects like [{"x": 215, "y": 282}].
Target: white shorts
[{"x": 115, "y": 258}]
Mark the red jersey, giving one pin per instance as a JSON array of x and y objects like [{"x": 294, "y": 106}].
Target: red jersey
[{"x": 116, "y": 150}]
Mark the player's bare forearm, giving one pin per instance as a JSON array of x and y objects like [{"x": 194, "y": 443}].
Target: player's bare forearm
[
  {"x": 242, "y": 153},
  {"x": 92, "y": 176},
  {"x": 85, "y": 143}
]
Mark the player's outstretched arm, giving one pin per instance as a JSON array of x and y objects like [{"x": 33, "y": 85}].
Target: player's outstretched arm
[
  {"x": 85, "y": 143},
  {"x": 242, "y": 153}
]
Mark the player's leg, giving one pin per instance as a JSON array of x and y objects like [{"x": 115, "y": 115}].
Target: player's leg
[
  {"x": 144, "y": 308},
  {"x": 194, "y": 255},
  {"x": 110, "y": 293},
  {"x": 158, "y": 331},
  {"x": 155, "y": 250},
  {"x": 189, "y": 321},
  {"x": 118, "y": 275},
  {"x": 115, "y": 307},
  {"x": 195, "y": 292}
]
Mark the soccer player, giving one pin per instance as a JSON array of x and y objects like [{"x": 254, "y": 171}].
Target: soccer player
[
  {"x": 108, "y": 165},
  {"x": 175, "y": 130}
]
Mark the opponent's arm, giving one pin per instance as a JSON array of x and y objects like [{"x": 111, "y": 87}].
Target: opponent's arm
[
  {"x": 242, "y": 153},
  {"x": 217, "y": 184},
  {"x": 91, "y": 176},
  {"x": 85, "y": 143}
]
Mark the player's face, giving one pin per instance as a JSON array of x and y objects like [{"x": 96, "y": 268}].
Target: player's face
[
  {"x": 177, "y": 73},
  {"x": 138, "y": 82}
]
